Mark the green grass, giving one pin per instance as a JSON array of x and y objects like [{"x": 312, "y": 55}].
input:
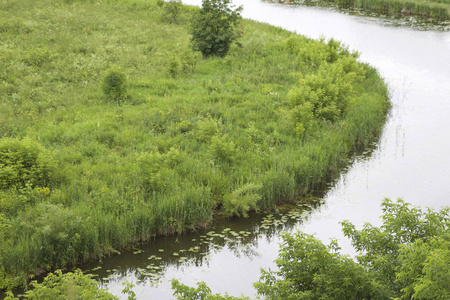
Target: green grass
[
  {"x": 190, "y": 137},
  {"x": 435, "y": 10}
]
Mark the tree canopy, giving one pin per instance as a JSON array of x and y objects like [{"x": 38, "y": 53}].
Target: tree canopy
[
  {"x": 407, "y": 257},
  {"x": 214, "y": 27}
]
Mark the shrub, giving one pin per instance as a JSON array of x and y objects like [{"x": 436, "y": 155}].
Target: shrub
[
  {"x": 114, "y": 84},
  {"x": 222, "y": 150},
  {"x": 202, "y": 292},
  {"x": 407, "y": 257},
  {"x": 400, "y": 250},
  {"x": 173, "y": 66},
  {"x": 172, "y": 10},
  {"x": 24, "y": 162},
  {"x": 213, "y": 28},
  {"x": 242, "y": 200},
  {"x": 206, "y": 129},
  {"x": 310, "y": 270},
  {"x": 67, "y": 286}
]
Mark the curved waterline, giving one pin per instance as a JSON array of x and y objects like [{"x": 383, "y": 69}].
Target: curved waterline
[{"x": 410, "y": 161}]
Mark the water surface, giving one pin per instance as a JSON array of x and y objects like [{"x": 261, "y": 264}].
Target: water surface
[{"x": 410, "y": 161}]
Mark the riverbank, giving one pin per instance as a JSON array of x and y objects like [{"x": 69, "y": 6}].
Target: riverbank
[
  {"x": 435, "y": 10},
  {"x": 193, "y": 136}
]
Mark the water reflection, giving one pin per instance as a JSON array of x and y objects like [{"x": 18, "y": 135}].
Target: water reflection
[
  {"x": 370, "y": 17},
  {"x": 151, "y": 266}
]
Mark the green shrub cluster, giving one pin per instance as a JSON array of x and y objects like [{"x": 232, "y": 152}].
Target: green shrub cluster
[
  {"x": 24, "y": 162},
  {"x": 70, "y": 285},
  {"x": 407, "y": 257},
  {"x": 114, "y": 84},
  {"x": 242, "y": 200}
]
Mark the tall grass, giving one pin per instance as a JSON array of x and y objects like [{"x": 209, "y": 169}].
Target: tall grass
[
  {"x": 435, "y": 10},
  {"x": 192, "y": 137}
]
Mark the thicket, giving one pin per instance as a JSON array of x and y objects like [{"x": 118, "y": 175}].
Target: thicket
[
  {"x": 265, "y": 124},
  {"x": 407, "y": 257}
]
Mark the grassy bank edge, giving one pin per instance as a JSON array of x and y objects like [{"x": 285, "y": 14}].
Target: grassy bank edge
[{"x": 357, "y": 132}]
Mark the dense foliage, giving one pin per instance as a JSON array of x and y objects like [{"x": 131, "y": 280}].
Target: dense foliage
[
  {"x": 435, "y": 10},
  {"x": 202, "y": 292},
  {"x": 407, "y": 257},
  {"x": 191, "y": 137},
  {"x": 24, "y": 162},
  {"x": 114, "y": 84},
  {"x": 68, "y": 286},
  {"x": 214, "y": 27}
]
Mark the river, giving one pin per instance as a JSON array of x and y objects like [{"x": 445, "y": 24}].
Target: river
[{"x": 410, "y": 161}]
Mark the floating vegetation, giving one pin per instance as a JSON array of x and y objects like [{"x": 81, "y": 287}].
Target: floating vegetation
[{"x": 196, "y": 250}]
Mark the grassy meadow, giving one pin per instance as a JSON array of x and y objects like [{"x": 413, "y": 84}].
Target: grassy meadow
[{"x": 83, "y": 175}]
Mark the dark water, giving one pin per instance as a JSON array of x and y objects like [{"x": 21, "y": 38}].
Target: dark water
[{"x": 411, "y": 161}]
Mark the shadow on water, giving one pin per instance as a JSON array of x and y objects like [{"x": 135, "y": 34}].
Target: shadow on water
[
  {"x": 152, "y": 265},
  {"x": 148, "y": 262}
]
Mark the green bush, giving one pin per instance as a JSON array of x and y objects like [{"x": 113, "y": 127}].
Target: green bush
[
  {"x": 222, "y": 150},
  {"x": 407, "y": 257},
  {"x": 214, "y": 29},
  {"x": 114, "y": 84},
  {"x": 242, "y": 200},
  {"x": 206, "y": 129},
  {"x": 310, "y": 270},
  {"x": 24, "y": 162},
  {"x": 66, "y": 286},
  {"x": 407, "y": 236},
  {"x": 202, "y": 292},
  {"x": 172, "y": 10}
]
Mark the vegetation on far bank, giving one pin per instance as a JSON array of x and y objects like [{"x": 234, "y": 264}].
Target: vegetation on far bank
[
  {"x": 113, "y": 130},
  {"x": 435, "y": 10}
]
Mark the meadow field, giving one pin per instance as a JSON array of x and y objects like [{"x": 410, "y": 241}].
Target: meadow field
[{"x": 84, "y": 174}]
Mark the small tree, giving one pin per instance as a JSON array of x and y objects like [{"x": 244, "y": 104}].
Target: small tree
[{"x": 214, "y": 27}]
